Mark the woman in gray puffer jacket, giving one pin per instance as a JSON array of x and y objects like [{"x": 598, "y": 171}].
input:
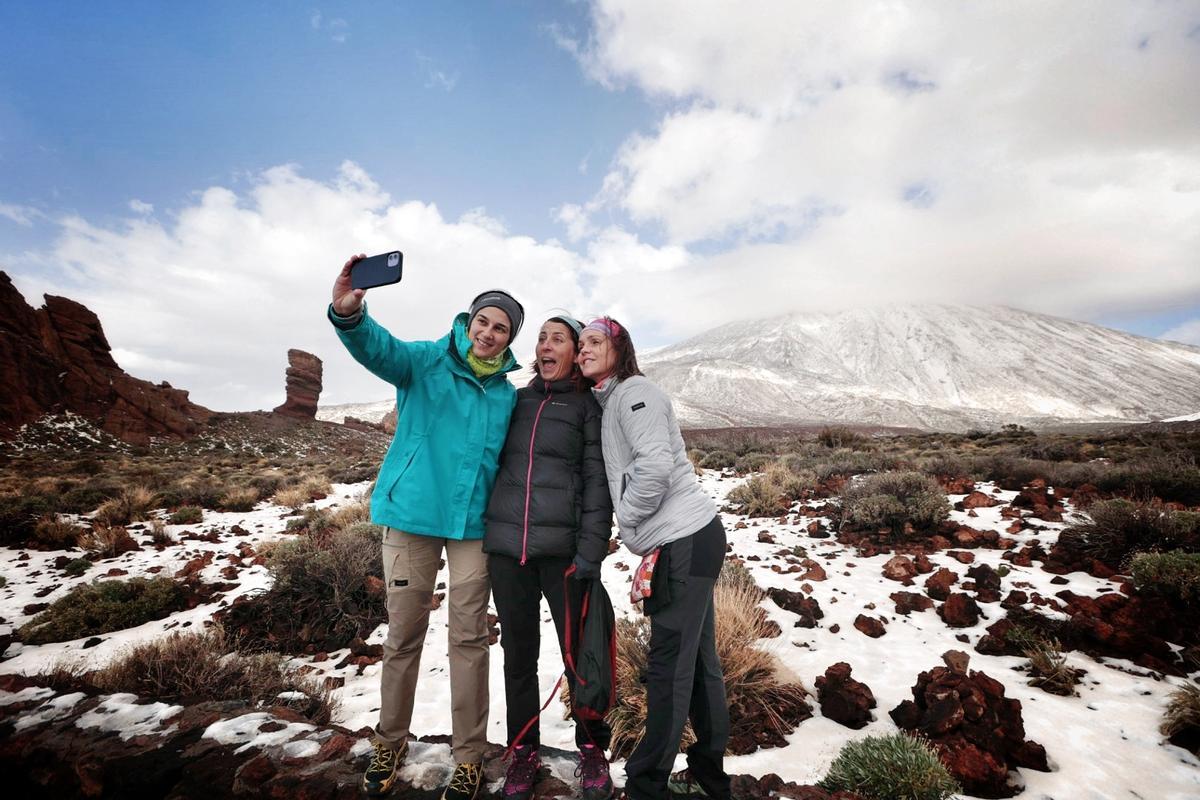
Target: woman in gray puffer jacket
[
  {"x": 549, "y": 510},
  {"x": 663, "y": 513}
]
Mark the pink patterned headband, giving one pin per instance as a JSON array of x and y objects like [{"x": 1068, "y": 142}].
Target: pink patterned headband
[{"x": 608, "y": 327}]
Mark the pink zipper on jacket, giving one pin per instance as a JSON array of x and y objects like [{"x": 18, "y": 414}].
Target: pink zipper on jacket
[{"x": 529, "y": 476}]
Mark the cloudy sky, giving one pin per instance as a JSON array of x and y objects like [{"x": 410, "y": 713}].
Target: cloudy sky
[{"x": 196, "y": 173}]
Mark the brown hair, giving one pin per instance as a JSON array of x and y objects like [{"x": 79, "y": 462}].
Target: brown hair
[
  {"x": 626, "y": 365},
  {"x": 578, "y": 382}
]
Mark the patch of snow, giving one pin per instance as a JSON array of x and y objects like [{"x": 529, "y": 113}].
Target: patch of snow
[
  {"x": 26, "y": 695},
  {"x": 50, "y": 710},
  {"x": 245, "y": 731},
  {"x": 121, "y": 713}
]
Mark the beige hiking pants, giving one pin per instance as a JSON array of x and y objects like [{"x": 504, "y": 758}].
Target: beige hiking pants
[{"x": 410, "y": 566}]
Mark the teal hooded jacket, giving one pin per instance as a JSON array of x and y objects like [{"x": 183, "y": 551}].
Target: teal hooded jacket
[{"x": 438, "y": 473}]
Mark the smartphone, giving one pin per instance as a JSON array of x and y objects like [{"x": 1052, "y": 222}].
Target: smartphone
[{"x": 381, "y": 270}]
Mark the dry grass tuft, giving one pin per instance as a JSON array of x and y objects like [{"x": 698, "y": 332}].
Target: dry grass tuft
[
  {"x": 107, "y": 541},
  {"x": 293, "y": 497},
  {"x": 199, "y": 667},
  {"x": 57, "y": 532},
  {"x": 1048, "y": 666},
  {"x": 1181, "y": 722},
  {"x": 240, "y": 499},
  {"x": 763, "y": 705}
]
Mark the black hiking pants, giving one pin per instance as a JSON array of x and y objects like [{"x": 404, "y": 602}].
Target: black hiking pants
[
  {"x": 518, "y": 591},
  {"x": 683, "y": 674}
]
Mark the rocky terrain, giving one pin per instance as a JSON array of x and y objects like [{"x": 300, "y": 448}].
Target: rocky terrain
[{"x": 887, "y": 637}]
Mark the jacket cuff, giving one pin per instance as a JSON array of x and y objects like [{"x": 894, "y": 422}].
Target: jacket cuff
[{"x": 347, "y": 323}]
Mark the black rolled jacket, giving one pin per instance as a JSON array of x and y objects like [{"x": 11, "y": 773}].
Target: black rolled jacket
[{"x": 551, "y": 494}]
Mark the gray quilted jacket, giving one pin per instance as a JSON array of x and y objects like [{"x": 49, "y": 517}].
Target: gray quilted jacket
[{"x": 654, "y": 490}]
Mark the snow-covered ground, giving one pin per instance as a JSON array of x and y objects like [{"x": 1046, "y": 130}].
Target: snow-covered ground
[{"x": 1102, "y": 744}]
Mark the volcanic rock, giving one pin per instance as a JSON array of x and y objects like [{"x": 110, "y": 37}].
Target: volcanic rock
[
  {"x": 57, "y": 359},
  {"x": 303, "y": 385},
  {"x": 908, "y": 602},
  {"x": 900, "y": 568},
  {"x": 871, "y": 626},
  {"x": 844, "y": 700},
  {"x": 959, "y": 611},
  {"x": 807, "y": 608},
  {"x": 938, "y": 584},
  {"x": 978, "y": 732}
]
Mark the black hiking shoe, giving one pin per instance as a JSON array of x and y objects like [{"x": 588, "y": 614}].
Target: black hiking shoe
[
  {"x": 594, "y": 779},
  {"x": 383, "y": 770},
  {"x": 465, "y": 782},
  {"x": 522, "y": 773}
]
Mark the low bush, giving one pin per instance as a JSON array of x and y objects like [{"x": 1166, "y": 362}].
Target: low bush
[
  {"x": 57, "y": 533},
  {"x": 107, "y": 541},
  {"x": 320, "y": 597},
  {"x": 104, "y": 606},
  {"x": 77, "y": 566},
  {"x": 158, "y": 533},
  {"x": 892, "y": 500},
  {"x": 773, "y": 492},
  {"x": 19, "y": 515},
  {"x": 1181, "y": 722},
  {"x": 131, "y": 505},
  {"x": 199, "y": 667},
  {"x": 892, "y": 767},
  {"x": 718, "y": 459},
  {"x": 194, "y": 491},
  {"x": 187, "y": 515},
  {"x": 240, "y": 499},
  {"x": 841, "y": 436},
  {"x": 86, "y": 499},
  {"x": 1175, "y": 574},
  {"x": 763, "y": 706},
  {"x": 293, "y": 497},
  {"x": 314, "y": 522},
  {"x": 1048, "y": 667},
  {"x": 1113, "y": 530},
  {"x": 355, "y": 473}
]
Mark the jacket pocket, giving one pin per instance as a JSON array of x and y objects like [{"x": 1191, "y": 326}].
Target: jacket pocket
[{"x": 406, "y": 461}]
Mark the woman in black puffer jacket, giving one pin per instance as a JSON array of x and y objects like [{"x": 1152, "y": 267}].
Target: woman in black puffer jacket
[{"x": 550, "y": 509}]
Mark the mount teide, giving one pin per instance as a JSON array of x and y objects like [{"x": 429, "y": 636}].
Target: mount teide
[{"x": 930, "y": 366}]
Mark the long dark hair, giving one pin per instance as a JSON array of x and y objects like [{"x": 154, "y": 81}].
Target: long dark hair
[{"x": 626, "y": 365}]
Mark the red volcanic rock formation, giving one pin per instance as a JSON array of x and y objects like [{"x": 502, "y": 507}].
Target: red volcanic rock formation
[
  {"x": 843, "y": 699},
  {"x": 57, "y": 359},
  {"x": 978, "y": 732},
  {"x": 303, "y": 385}
]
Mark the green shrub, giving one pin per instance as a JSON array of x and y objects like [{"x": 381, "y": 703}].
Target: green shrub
[
  {"x": 187, "y": 515},
  {"x": 104, "y": 606},
  {"x": 198, "y": 667},
  {"x": 77, "y": 566},
  {"x": 752, "y": 462},
  {"x": 320, "y": 596},
  {"x": 86, "y": 499},
  {"x": 1113, "y": 530},
  {"x": 891, "y": 500},
  {"x": 19, "y": 516},
  {"x": 718, "y": 459},
  {"x": 204, "y": 492},
  {"x": 1175, "y": 574},
  {"x": 313, "y": 521},
  {"x": 892, "y": 767},
  {"x": 356, "y": 473}
]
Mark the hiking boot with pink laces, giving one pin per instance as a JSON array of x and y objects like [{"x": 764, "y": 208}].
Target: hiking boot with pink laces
[
  {"x": 594, "y": 779},
  {"x": 521, "y": 774}
]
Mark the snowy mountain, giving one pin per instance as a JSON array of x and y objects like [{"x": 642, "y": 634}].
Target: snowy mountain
[
  {"x": 368, "y": 412},
  {"x": 935, "y": 366}
]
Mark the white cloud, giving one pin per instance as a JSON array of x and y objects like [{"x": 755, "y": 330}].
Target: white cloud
[
  {"x": 824, "y": 153},
  {"x": 22, "y": 215},
  {"x": 212, "y": 300},
  {"x": 1186, "y": 332},
  {"x": 140, "y": 207}
]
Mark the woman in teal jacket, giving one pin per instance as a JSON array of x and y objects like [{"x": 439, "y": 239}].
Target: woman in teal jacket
[{"x": 453, "y": 404}]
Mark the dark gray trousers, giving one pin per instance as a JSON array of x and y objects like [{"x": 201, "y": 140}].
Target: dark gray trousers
[{"x": 683, "y": 676}]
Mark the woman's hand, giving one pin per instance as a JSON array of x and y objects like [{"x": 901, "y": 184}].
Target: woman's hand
[{"x": 347, "y": 300}]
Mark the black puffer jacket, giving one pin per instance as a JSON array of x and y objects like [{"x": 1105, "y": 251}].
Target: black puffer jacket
[{"x": 558, "y": 504}]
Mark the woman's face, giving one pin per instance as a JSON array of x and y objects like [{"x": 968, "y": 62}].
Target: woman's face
[
  {"x": 555, "y": 351},
  {"x": 489, "y": 333},
  {"x": 597, "y": 358}
]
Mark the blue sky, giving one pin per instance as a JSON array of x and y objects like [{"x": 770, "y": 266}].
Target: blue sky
[
  {"x": 195, "y": 172},
  {"x": 463, "y": 104}
]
